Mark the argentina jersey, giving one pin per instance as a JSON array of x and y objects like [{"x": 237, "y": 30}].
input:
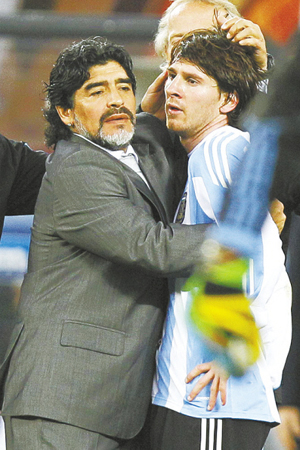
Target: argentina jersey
[{"x": 212, "y": 166}]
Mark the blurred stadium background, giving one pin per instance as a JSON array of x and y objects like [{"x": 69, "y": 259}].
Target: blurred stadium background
[{"x": 32, "y": 33}]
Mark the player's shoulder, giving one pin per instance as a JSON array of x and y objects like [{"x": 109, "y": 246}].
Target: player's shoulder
[
  {"x": 219, "y": 142},
  {"x": 227, "y": 135},
  {"x": 228, "y": 141},
  {"x": 218, "y": 154}
]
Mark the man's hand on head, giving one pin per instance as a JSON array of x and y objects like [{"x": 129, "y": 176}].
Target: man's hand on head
[
  {"x": 246, "y": 33},
  {"x": 153, "y": 101}
]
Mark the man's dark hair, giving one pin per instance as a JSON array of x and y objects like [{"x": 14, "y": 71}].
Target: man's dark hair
[
  {"x": 232, "y": 65},
  {"x": 71, "y": 71}
]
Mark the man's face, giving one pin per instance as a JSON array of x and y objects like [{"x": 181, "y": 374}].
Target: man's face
[
  {"x": 190, "y": 17},
  {"x": 104, "y": 106},
  {"x": 193, "y": 103}
]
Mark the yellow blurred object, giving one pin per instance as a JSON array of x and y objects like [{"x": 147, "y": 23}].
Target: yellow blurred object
[
  {"x": 227, "y": 323},
  {"x": 221, "y": 312}
]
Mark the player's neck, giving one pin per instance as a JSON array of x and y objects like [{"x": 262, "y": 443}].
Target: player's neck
[{"x": 189, "y": 143}]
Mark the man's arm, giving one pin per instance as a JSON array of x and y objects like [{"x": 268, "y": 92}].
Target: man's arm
[
  {"x": 22, "y": 171},
  {"x": 93, "y": 211}
]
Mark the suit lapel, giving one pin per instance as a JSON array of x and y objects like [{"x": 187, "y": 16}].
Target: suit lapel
[
  {"x": 142, "y": 187},
  {"x": 151, "y": 167},
  {"x": 147, "y": 168}
]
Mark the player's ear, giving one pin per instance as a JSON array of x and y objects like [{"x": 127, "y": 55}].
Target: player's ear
[{"x": 230, "y": 102}]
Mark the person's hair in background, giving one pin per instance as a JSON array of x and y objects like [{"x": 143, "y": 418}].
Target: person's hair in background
[
  {"x": 232, "y": 66},
  {"x": 161, "y": 38},
  {"x": 70, "y": 72}
]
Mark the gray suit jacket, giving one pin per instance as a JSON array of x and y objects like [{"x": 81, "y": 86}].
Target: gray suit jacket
[{"x": 93, "y": 301}]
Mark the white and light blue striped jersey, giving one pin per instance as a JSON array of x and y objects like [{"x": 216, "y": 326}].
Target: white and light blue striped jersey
[{"x": 212, "y": 165}]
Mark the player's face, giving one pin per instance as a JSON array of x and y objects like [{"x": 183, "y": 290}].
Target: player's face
[
  {"x": 193, "y": 103},
  {"x": 105, "y": 104},
  {"x": 190, "y": 17}
]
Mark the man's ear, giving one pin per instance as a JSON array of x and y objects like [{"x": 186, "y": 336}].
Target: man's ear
[
  {"x": 66, "y": 115},
  {"x": 230, "y": 103}
]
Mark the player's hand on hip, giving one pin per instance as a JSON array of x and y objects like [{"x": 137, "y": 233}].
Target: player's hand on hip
[{"x": 211, "y": 373}]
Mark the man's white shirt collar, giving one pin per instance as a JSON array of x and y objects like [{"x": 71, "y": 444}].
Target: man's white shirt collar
[{"x": 121, "y": 156}]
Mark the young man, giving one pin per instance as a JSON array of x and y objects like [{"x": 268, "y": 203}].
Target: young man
[
  {"x": 210, "y": 81},
  {"x": 183, "y": 16},
  {"x": 81, "y": 360}
]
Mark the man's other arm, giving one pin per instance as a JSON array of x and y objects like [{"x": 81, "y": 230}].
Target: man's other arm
[{"x": 21, "y": 171}]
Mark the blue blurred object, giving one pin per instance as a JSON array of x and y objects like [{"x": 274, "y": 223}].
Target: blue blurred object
[{"x": 14, "y": 247}]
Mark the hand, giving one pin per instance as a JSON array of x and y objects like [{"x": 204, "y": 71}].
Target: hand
[
  {"x": 246, "y": 32},
  {"x": 277, "y": 213},
  {"x": 153, "y": 101},
  {"x": 212, "y": 373},
  {"x": 289, "y": 429}
]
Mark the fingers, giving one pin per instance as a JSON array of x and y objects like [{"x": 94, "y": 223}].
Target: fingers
[
  {"x": 212, "y": 374},
  {"x": 214, "y": 390},
  {"x": 203, "y": 381},
  {"x": 247, "y": 33},
  {"x": 153, "y": 101},
  {"x": 223, "y": 16},
  {"x": 219, "y": 385},
  {"x": 236, "y": 24},
  {"x": 239, "y": 29},
  {"x": 158, "y": 84},
  {"x": 223, "y": 389},
  {"x": 200, "y": 368},
  {"x": 278, "y": 215}
]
